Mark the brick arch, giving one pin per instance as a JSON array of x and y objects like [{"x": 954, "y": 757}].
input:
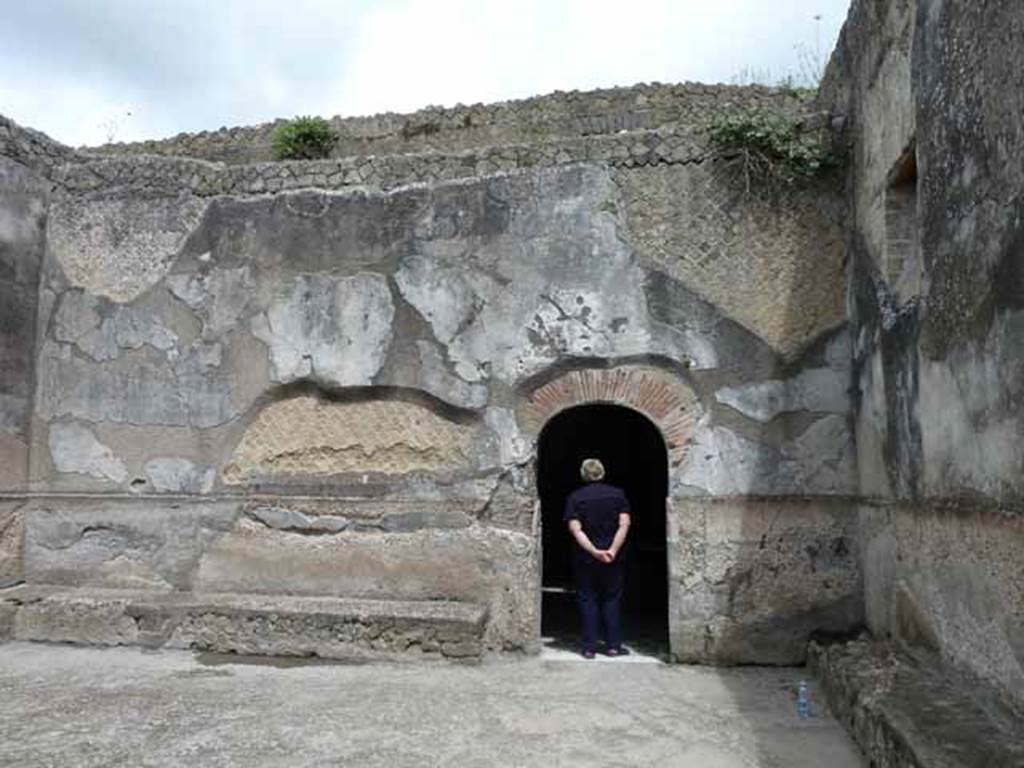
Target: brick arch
[{"x": 668, "y": 402}]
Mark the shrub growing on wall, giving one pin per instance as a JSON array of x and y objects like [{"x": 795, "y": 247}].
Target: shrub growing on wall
[
  {"x": 304, "y": 138},
  {"x": 773, "y": 150}
]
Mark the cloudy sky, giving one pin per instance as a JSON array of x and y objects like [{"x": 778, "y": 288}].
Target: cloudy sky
[{"x": 86, "y": 70}]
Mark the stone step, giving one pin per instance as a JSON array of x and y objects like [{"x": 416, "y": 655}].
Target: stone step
[
  {"x": 267, "y": 625},
  {"x": 902, "y": 711}
]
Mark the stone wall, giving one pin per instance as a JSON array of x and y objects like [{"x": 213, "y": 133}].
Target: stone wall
[
  {"x": 454, "y": 129},
  {"x": 32, "y": 149},
  {"x": 330, "y": 377},
  {"x": 753, "y": 579},
  {"x": 26, "y": 159},
  {"x": 23, "y": 197},
  {"x": 932, "y": 94},
  {"x": 185, "y": 315}
]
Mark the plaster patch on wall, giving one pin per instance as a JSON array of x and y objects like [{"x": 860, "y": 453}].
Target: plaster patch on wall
[
  {"x": 13, "y": 460},
  {"x": 220, "y": 296},
  {"x": 284, "y": 519},
  {"x": 871, "y": 429},
  {"x": 336, "y": 332},
  {"x": 818, "y": 389},
  {"x": 435, "y": 378},
  {"x": 450, "y": 300},
  {"x": 304, "y": 436},
  {"x": 119, "y": 248},
  {"x": 74, "y": 448},
  {"x": 720, "y": 462},
  {"x": 968, "y": 409},
  {"x": 447, "y": 298},
  {"x": 119, "y": 543},
  {"x": 78, "y": 320},
  {"x": 77, "y": 316},
  {"x": 820, "y": 460},
  {"x": 178, "y": 475},
  {"x": 962, "y": 576},
  {"x": 513, "y": 446},
  {"x": 190, "y": 391}
]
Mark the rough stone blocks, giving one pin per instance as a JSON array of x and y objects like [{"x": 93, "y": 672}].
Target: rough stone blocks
[
  {"x": 751, "y": 581},
  {"x": 353, "y": 630}
]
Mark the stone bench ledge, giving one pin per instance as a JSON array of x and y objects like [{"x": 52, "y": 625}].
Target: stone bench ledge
[
  {"x": 329, "y": 627},
  {"x": 906, "y": 712}
]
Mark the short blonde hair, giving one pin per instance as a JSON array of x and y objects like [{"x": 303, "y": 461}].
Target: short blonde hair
[{"x": 592, "y": 470}]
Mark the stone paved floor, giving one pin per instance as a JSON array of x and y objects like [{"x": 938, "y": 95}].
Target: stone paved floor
[{"x": 64, "y": 706}]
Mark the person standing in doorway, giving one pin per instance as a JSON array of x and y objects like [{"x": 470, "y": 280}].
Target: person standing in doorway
[{"x": 598, "y": 519}]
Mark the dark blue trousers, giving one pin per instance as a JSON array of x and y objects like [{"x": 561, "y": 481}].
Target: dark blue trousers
[{"x": 599, "y": 594}]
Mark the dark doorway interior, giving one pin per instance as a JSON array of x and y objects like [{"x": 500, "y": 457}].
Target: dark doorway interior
[{"x": 635, "y": 459}]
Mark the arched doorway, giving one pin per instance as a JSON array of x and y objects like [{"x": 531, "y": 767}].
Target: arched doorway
[{"x": 635, "y": 457}]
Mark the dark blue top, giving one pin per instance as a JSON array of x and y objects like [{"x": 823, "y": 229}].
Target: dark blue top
[{"x": 597, "y": 506}]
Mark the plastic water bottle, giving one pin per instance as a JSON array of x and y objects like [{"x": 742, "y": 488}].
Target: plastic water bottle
[{"x": 803, "y": 702}]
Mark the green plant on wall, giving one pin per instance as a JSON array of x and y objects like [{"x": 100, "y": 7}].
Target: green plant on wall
[
  {"x": 772, "y": 150},
  {"x": 304, "y": 138}
]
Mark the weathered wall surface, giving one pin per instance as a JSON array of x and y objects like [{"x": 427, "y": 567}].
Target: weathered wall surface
[
  {"x": 203, "y": 322},
  {"x": 336, "y": 548},
  {"x": 26, "y": 159},
  {"x": 329, "y": 378},
  {"x": 754, "y": 579},
  {"x": 933, "y": 94},
  {"x": 22, "y": 218},
  {"x": 24, "y": 193}
]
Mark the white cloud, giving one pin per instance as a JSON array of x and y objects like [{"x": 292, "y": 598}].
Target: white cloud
[
  {"x": 69, "y": 67},
  {"x": 418, "y": 52}
]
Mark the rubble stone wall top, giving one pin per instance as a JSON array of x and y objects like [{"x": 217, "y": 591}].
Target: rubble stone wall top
[
  {"x": 32, "y": 148},
  {"x": 459, "y": 128}
]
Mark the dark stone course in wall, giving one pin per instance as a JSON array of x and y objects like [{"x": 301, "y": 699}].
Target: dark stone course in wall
[{"x": 169, "y": 175}]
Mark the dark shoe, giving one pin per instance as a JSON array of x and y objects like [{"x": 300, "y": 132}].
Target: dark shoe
[
  {"x": 613, "y": 652},
  {"x": 588, "y": 654}
]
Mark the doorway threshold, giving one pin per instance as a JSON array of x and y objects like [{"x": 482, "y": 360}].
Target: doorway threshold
[{"x": 554, "y": 649}]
